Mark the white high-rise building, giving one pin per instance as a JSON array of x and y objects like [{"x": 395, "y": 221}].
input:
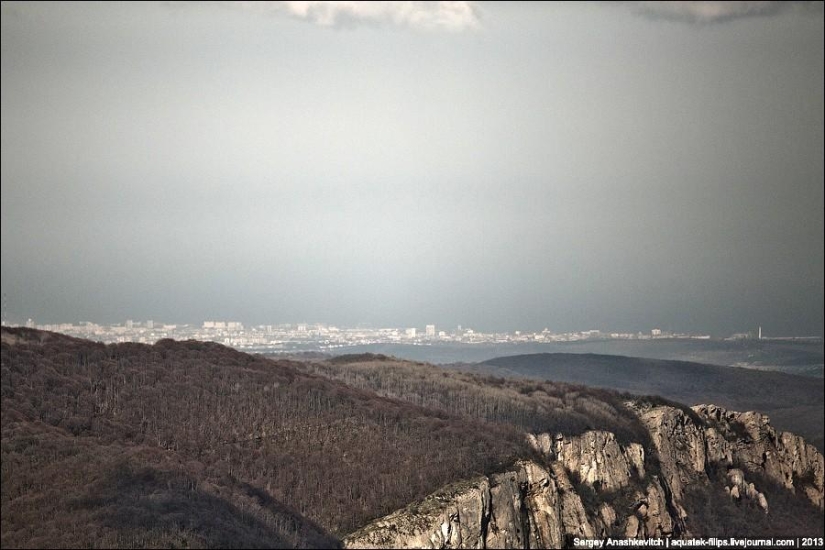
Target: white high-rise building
[
  {"x": 429, "y": 330},
  {"x": 410, "y": 332}
]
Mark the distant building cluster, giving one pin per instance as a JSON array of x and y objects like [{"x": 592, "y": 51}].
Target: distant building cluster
[{"x": 321, "y": 337}]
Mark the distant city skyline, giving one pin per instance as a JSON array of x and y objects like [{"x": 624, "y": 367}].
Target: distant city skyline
[
  {"x": 498, "y": 165},
  {"x": 430, "y": 330}
]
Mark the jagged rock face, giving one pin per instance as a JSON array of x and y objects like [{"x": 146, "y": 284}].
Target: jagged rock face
[
  {"x": 739, "y": 488},
  {"x": 455, "y": 517},
  {"x": 717, "y": 448},
  {"x": 783, "y": 457},
  {"x": 658, "y": 522},
  {"x": 538, "y": 506},
  {"x": 508, "y": 522},
  {"x": 635, "y": 456},
  {"x": 529, "y": 506},
  {"x": 680, "y": 444},
  {"x": 573, "y": 516},
  {"x": 596, "y": 458},
  {"x": 544, "y": 506}
]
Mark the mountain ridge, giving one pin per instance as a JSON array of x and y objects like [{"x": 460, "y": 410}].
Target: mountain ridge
[
  {"x": 192, "y": 444},
  {"x": 794, "y": 402}
]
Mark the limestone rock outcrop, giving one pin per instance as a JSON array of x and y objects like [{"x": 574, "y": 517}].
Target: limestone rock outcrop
[
  {"x": 598, "y": 460},
  {"x": 590, "y": 485},
  {"x": 499, "y": 511},
  {"x": 455, "y": 517},
  {"x": 680, "y": 444},
  {"x": 783, "y": 457}
]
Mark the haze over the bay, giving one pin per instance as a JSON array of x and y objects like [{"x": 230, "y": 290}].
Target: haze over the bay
[{"x": 501, "y": 166}]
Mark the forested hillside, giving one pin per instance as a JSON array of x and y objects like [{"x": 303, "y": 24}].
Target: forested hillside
[
  {"x": 794, "y": 403},
  {"x": 192, "y": 444}
]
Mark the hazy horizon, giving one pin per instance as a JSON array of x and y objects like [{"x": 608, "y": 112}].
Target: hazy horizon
[{"x": 501, "y": 166}]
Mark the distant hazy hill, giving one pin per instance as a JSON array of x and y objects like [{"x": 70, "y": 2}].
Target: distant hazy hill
[
  {"x": 192, "y": 444},
  {"x": 803, "y": 357},
  {"x": 794, "y": 403}
]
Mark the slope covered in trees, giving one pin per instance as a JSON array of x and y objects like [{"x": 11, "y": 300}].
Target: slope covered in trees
[
  {"x": 192, "y": 444},
  {"x": 532, "y": 406},
  {"x": 794, "y": 403}
]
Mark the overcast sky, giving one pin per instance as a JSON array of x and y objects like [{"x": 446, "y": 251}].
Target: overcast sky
[{"x": 501, "y": 166}]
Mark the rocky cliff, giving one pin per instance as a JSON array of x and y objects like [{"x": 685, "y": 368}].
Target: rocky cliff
[{"x": 590, "y": 485}]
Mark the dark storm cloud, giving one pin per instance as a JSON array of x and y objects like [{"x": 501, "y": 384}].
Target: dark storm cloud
[{"x": 718, "y": 12}]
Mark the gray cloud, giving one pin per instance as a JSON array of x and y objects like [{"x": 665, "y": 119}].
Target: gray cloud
[
  {"x": 713, "y": 12},
  {"x": 428, "y": 16}
]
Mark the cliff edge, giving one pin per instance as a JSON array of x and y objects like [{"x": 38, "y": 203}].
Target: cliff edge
[{"x": 591, "y": 486}]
